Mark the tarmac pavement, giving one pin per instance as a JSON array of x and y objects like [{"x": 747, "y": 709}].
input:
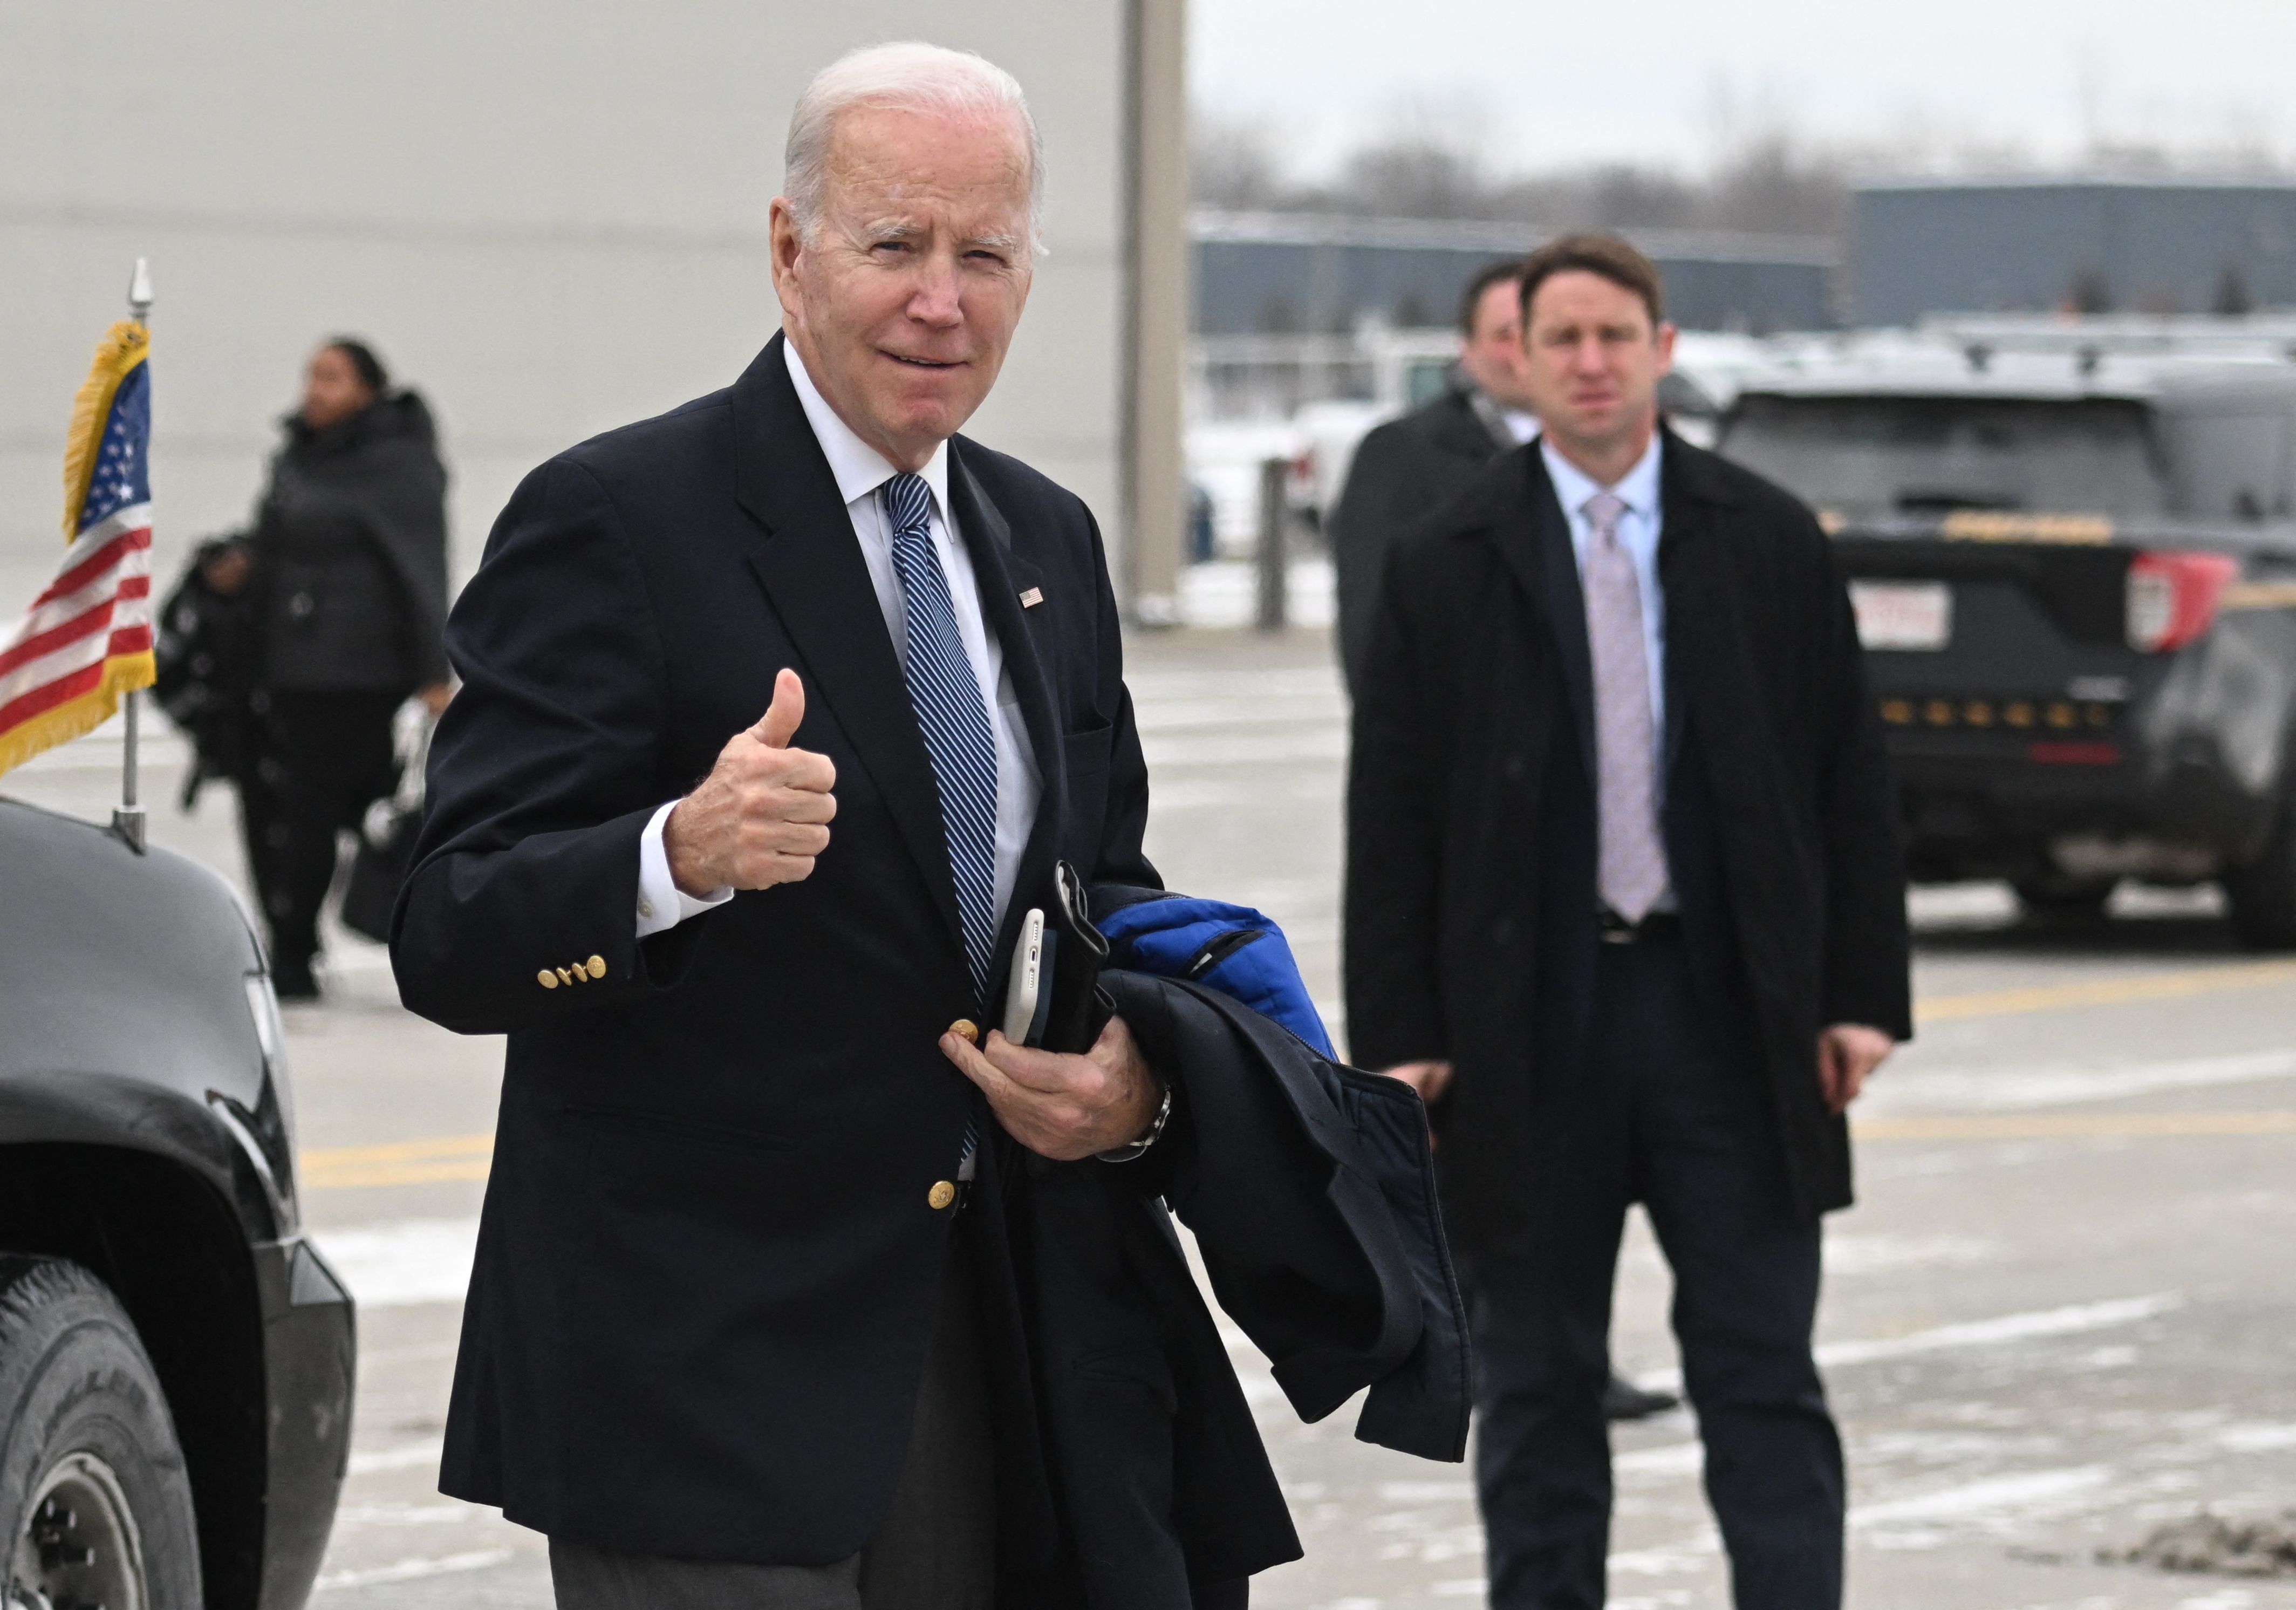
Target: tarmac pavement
[{"x": 2063, "y": 1312}]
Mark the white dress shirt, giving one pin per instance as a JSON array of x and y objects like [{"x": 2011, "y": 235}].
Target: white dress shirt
[
  {"x": 1522, "y": 426},
  {"x": 860, "y": 469},
  {"x": 1639, "y": 528}
]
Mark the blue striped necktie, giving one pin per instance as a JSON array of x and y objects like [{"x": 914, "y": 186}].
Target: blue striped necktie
[{"x": 953, "y": 718}]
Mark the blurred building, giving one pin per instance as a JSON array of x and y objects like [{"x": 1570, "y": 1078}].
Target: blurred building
[
  {"x": 1276, "y": 274},
  {"x": 2092, "y": 244},
  {"x": 550, "y": 218}
]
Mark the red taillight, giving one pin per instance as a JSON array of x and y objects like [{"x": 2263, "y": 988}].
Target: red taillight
[{"x": 2172, "y": 597}]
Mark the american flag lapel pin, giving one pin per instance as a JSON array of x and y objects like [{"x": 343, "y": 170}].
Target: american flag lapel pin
[{"x": 1032, "y": 597}]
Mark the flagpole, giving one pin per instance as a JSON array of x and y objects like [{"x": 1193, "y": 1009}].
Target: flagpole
[{"x": 127, "y": 820}]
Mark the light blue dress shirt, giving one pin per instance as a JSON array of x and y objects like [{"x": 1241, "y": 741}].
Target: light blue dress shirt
[{"x": 1639, "y": 528}]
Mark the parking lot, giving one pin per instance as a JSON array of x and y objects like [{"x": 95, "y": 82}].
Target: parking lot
[{"x": 2061, "y": 1313}]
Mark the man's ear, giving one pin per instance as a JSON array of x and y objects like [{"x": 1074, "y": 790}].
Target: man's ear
[
  {"x": 1666, "y": 334},
  {"x": 784, "y": 242}
]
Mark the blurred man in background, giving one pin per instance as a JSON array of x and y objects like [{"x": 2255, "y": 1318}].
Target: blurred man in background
[
  {"x": 1410, "y": 467},
  {"x": 1625, "y": 904}
]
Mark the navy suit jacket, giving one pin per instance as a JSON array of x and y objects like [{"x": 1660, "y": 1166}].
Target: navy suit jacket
[{"x": 708, "y": 1255}]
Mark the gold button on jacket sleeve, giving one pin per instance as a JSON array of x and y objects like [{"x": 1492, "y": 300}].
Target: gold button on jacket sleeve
[
  {"x": 546, "y": 979},
  {"x": 597, "y": 966},
  {"x": 942, "y": 1194}
]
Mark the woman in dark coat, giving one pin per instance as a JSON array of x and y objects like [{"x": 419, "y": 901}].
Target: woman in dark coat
[{"x": 348, "y": 564}]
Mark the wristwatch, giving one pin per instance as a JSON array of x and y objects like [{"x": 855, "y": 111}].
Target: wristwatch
[{"x": 1139, "y": 1148}]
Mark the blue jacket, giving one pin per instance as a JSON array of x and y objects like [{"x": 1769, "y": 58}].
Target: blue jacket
[{"x": 1232, "y": 950}]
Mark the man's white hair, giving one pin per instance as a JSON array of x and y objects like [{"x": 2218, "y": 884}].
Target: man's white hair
[{"x": 912, "y": 77}]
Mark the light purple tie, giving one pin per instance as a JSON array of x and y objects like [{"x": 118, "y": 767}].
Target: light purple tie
[{"x": 1632, "y": 872}]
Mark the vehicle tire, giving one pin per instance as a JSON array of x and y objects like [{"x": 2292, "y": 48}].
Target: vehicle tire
[
  {"x": 2064, "y": 899},
  {"x": 92, "y": 1481},
  {"x": 2261, "y": 896}
]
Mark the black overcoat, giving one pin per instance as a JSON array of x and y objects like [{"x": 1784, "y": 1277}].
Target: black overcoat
[
  {"x": 1401, "y": 470},
  {"x": 1470, "y": 889}
]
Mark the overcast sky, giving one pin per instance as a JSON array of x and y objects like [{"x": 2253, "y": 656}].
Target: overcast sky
[{"x": 1552, "y": 82}]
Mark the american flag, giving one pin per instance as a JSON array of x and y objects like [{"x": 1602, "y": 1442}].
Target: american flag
[{"x": 87, "y": 639}]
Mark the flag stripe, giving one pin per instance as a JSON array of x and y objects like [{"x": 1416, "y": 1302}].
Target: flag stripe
[
  {"x": 21, "y": 664},
  {"x": 49, "y": 695},
  {"x": 26, "y": 695},
  {"x": 88, "y": 643},
  {"x": 86, "y": 560},
  {"x": 48, "y": 623},
  {"x": 60, "y": 603}
]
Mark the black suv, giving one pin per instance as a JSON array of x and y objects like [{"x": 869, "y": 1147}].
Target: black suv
[
  {"x": 2075, "y": 573},
  {"x": 175, "y": 1360}
]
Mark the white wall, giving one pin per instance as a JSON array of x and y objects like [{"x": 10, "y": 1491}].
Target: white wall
[{"x": 548, "y": 217}]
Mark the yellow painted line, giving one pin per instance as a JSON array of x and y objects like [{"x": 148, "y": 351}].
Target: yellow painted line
[
  {"x": 2104, "y": 991},
  {"x": 2258, "y": 595},
  {"x": 421, "y": 1173},
  {"x": 1994, "y": 525},
  {"x": 2093, "y": 1125},
  {"x": 398, "y": 1162}
]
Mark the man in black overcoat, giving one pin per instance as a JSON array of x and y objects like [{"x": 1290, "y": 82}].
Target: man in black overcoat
[
  {"x": 1625, "y": 902},
  {"x": 777, "y": 713},
  {"x": 1408, "y": 468},
  {"x": 1411, "y": 466}
]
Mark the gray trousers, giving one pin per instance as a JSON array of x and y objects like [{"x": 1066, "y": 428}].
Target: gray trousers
[{"x": 936, "y": 1550}]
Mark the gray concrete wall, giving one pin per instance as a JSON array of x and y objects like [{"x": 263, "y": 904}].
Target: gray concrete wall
[{"x": 548, "y": 218}]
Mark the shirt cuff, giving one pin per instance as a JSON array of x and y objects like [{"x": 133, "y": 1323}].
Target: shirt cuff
[{"x": 662, "y": 905}]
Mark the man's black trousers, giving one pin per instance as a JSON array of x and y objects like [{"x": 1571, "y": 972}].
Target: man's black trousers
[
  {"x": 1660, "y": 1118},
  {"x": 320, "y": 759}
]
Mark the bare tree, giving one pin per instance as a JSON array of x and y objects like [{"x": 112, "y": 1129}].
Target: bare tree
[
  {"x": 1232, "y": 165},
  {"x": 1422, "y": 167}
]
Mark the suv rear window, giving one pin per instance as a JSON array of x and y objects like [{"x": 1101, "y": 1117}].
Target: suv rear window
[{"x": 1924, "y": 455}]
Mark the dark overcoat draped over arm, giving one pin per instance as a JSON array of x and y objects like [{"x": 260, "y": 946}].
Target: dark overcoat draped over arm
[
  {"x": 1470, "y": 898},
  {"x": 1310, "y": 1189}
]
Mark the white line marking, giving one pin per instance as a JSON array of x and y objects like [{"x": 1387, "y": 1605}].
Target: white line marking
[
  {"x": 1670, "y": 1458},
  {"x": 358, "y": 1517},
  {"x": 2013, "y": 1089},
  {"x": 408, "y": 1571},
  {"x": 413, "y": 1261},
  {"x": 2068, "y": 1321},
  {"x": 1990, "y": 1497},
  {"x": 408, "y": 1458},
  {"x": 2256, "y": 1439}
]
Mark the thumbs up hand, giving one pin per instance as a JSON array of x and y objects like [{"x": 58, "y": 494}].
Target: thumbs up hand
[{"x": 762, "y": 814}]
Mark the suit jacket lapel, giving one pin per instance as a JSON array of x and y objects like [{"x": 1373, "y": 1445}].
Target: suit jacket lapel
[
  {"x": 1003, "y": 573},
  {"x": 1686, "y": 549},
  {"x": 1535, "y": 539},
  {"x": 811, "y": 565}
]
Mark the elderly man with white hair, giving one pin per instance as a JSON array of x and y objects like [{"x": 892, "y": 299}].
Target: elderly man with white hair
[{"x": 746, "y": 1327}]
